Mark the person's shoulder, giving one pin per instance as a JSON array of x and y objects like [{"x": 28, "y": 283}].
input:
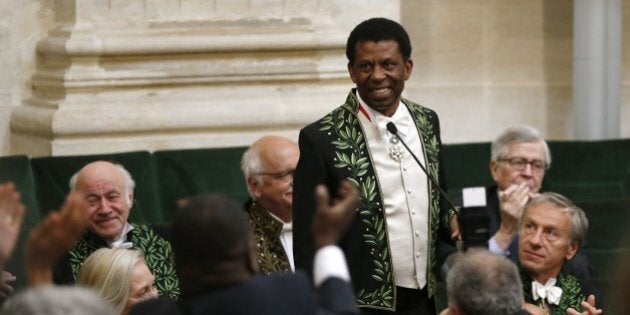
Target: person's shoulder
[
  {"x": 317, "y": 125},
  {"x": 413, "y": 106},
  {"x": 159, "y": 306}
]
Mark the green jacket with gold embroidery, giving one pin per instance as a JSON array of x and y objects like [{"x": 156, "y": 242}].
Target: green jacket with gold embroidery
[
  {"x": 266, "y": 232},
  {"x": 157, "y": 254},
  {"x": 334, "y": 148}
]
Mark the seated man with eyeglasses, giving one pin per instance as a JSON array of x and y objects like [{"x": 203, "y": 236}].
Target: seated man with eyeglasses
[
  {"x": 519, "y": 159},
  {"x": 268, "y": 167}
]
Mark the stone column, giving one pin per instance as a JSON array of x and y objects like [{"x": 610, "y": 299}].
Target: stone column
[
  {"x": 149, "y": 75},
  {"x": 596, "y": 69}
]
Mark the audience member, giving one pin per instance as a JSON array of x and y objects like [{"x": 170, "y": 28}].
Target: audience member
[
  {"x": 56, "y": 300},
  {"x": 518, "y": 160},
  {"x": 392, "y": 244},
  {"x": 120, "y": 276},
  {"x": 108, "y": 191},
  {"x": 11, "y": 216},
  {"x": 45, "y": 245},
  {"x": 268, "y": 166},
  {"x": 480, "y": 282},
  {"x": 52, "y": 238},
  {"x": 216, "y": 263},
  {"x": 552, "y": 230}
]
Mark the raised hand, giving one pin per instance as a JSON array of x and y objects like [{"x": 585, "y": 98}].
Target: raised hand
[
  {"x": 54, "y": 236},
  {"x": 511, "y": 204},
  {"x": 589, "y": 307},
  {"x": 11, "y": 216}
]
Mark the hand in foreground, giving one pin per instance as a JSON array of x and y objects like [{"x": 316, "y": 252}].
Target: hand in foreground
[
  {"x": 589, "y": 307},
  {"x": 5, "y": 287},
  {"x": 54, "y": 236},
  {"x": 511, "y": 204},
  {"x": 333, "y": 218},
  {"x": 11, "y": 216},
  {"x": 454, "y": 226},
  {"x": 534, "y": 310},
  {"x": 512, "y": 201}
]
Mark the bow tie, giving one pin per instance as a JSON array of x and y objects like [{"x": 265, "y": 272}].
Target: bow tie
[
  {"x": 547, "y": 291},
  {"x": 402, "y": 124},
  {"x": 123, "y": 245}
]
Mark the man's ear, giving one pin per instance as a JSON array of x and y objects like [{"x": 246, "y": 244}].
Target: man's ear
[
  {"x": 254, "y": 187},
  {"x": 408, "y": 68},
  {"x": 494, "y": 170},
  {"x": 351, "y": 73},
  {"x": 573, "y": 248},
  {"x": 130, "y": 199}
]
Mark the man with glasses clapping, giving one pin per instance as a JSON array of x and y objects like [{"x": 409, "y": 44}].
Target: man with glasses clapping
[{"x": 519, "y": 158}]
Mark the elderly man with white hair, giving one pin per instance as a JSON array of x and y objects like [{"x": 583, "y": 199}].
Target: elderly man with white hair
[{"x": 107, "y": 190}]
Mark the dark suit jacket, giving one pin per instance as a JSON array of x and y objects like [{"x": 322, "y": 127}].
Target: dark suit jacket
[
  {"x": 279, "y": 294},
  {"x": 334, "y": 148}
]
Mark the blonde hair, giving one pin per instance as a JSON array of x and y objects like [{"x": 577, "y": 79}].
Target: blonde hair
[{"x": 108, "y": 271}]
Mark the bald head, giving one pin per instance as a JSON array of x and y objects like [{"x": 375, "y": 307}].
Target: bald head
[
  {"x": 107, "y": 189},
  {"x": 268, "y": 166}
]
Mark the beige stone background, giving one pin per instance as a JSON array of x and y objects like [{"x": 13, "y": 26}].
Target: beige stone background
[{"x": 167, "y": 74}]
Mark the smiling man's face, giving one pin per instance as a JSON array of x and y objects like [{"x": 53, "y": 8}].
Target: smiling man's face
[
  {"x": 380, "y": 72},
  {"x": 103, "y": 188}
]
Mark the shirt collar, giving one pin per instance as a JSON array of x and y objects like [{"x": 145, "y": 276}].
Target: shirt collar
[
  {"x": 122, "y": 240},
  {"x": 401, "y": 118}
]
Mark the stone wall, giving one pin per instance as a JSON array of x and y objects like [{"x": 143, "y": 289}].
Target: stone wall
[{"x": 84, "y": 76}]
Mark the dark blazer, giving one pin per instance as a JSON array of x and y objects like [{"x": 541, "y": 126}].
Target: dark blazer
[
  {"x": 334, "y": 148},
  {"x": 285, "y": 293}
]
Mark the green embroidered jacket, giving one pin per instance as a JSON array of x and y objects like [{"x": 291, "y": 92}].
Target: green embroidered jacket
[
  {"x": 334, "y": 148},
  {"x": 572, "y": 295},
  {"x": 157, "y": 254},
  {"x": 266, "y": 231}
]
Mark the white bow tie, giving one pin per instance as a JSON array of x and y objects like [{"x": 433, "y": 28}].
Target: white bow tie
[
  {"x": 547, "y": 291},
  {"x": 402, "y": 124},
  {"x": 123, "y": 245}
]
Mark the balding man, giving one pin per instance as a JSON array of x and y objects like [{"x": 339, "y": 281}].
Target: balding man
[
  {"x": 268, "y": 166},
  {"x": 107, "y": 189}
]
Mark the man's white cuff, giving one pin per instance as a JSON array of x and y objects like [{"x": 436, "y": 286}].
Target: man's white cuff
[
  {"x": 329, "y": 262},
  {"x": 495, "y": 248}
]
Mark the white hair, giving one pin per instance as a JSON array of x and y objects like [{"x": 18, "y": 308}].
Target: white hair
[
  {"x": 56, "y": 300},
  {"x": 128, "y": 182}
]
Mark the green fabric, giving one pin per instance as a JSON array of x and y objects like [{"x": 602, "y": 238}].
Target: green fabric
[
  {"x": 157, "y": 254},
  {"x": 266, "y": 235},
  {"x": 17, "y": 170},
  {"x": 183, "y": 173},
  {"x": 52, "y": 176},
  {"x": 584, "y": 170},
  {"x": 466, "y": 165},
  {"x": 571, "y": 297}
]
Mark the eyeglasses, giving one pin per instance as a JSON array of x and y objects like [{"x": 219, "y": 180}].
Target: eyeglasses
[
  {"x": 519, "y": 164},
  {"x": 280, "y": 176}
]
